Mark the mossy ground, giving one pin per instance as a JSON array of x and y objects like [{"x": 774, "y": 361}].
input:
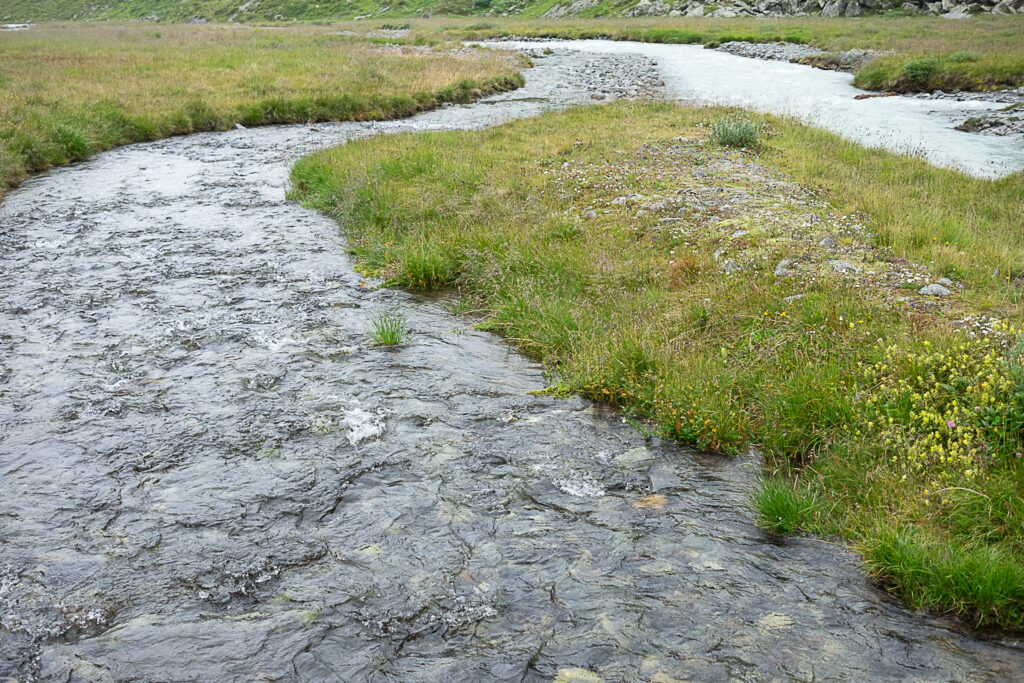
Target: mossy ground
[
  {"x": 637, "y": 259},
  {"x": 69, "y": 91}
]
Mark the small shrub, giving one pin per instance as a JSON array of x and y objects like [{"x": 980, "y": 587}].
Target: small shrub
[
  {"x": 918, "y": 71},
  {"x": 736, "y": 130},
  {"x": 388, "y": 328},
  {"x": 950, "y": 415}
]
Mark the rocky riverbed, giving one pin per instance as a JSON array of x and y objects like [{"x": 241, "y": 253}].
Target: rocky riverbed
[{"x": 1007, "y": 119}]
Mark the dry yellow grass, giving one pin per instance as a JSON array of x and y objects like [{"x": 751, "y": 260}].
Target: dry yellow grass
[{"x": 69, "y": 90}]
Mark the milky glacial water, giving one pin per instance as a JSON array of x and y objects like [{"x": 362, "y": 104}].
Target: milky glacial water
[
  {"x": 207, "y": 473},
  {"x": 908, "y": 125}
]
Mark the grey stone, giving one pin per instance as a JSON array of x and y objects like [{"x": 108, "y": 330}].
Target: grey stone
[
  {"x": 958, "y": 12},
  {"x": 827, "y": 242},
  {"x": 619, "y": 201},
  {"x": 833, "y": 8},
  {"x": 730, "y": 266},
  {"x": 843, "y": 267},
  {"x": 738, "y": 234},
  {"x": 946, "y": 282},
  {"x": 934, "y": 289},
  {"x": 783, "y": 268}
]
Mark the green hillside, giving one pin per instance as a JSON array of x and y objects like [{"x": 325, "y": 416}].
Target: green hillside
[{"x": 243, "y": 11}]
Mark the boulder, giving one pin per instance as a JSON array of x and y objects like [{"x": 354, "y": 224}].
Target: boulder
[
  {"x": 833, "y": 9},
  {"x": 934, "y": 289}
]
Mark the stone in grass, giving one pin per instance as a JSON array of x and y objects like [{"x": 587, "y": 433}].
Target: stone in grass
[
  {"x": 784, "y": 268},
  {"x": 730, "y": 266},
  {"x": 738, "y": 234},
  {"x": 946, "y": 282},
  {"x": 844, "y": 267},
  {"x": 934, "y": 289},
  {"x": 827, "y": 242}
]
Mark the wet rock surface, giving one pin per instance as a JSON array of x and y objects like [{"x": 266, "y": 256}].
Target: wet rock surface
[
  {"x": 786, "y": 52},
  {"x": 208, "y": 473},
  {"x": 1007, "y": 118}
]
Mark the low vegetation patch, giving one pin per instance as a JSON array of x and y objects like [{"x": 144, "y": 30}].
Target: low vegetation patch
[
  {"x": 388, "y": 328},
  {"x": 726, "y": 297},
  {"x": 736, "y": 130},
  {"x": 69, "y": 91}
]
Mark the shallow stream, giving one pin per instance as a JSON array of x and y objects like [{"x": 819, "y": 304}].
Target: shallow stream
[
  {"x": 908, "y": 125},
  {"x": 207, "y": 473}
]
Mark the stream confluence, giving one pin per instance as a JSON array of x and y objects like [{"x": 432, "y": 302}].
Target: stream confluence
[{"x": 207, "y": 473}]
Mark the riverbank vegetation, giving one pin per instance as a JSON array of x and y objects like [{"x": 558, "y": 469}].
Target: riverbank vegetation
[
  {"x": 765, "y": 296},
  {"x": 920, "y": 53},
  {"x": 69, "y": 91}
]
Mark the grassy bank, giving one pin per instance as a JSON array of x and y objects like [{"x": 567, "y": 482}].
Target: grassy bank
[
  {"x": 69, "y": 91},
  {"x": 639, "y": 261}
]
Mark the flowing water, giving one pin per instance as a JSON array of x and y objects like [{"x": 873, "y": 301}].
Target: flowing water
[
  {"x": 207, "y": 473},
  {"x": 908, "y": 125}
]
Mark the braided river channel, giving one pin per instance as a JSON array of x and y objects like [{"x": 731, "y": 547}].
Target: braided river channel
[{"x": 208, "y": 473}]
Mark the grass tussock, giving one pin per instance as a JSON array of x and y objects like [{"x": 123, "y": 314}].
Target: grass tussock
[
  {"x": 691, "y": 285},
  {"x": 736, "y": 130},
  {"x": 388, "y": 328},
  {"x": 67, "y": 92}
]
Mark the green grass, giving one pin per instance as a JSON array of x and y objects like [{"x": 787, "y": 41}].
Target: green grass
[
  {"x": 631, "y": 309},
  {"x": 67, "y": 92},
  {"x": 923, "y": 53},
  {"x": 782, "y": 508},
  {"x": 388, "y": 328}
]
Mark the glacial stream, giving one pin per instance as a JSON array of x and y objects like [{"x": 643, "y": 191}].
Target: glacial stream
[
  {"x": 207, "y": 473},
  {"x": 908, "y": 125}
]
